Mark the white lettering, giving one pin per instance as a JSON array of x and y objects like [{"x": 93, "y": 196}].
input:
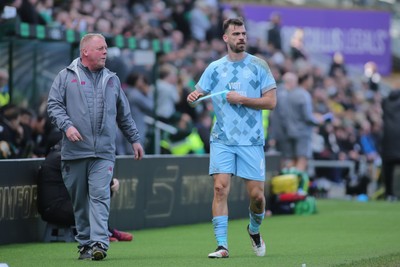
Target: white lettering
[
  {"x": 18, "y": 202},
  {"x": 354, "y": 41},
  {"x": 234, "y": 86}
]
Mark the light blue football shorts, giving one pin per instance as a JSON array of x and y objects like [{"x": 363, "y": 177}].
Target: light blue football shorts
[{"x": 244, "y": 161}]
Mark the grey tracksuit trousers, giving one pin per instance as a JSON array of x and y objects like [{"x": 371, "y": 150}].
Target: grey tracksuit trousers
[{"x": 88, "y": 183}]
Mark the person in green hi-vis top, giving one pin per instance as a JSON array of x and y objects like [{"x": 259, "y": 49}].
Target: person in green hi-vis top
[{"x": 4, "y": 91}]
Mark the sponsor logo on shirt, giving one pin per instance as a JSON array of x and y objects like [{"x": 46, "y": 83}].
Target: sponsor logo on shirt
[{"x": 234, "y": 86}]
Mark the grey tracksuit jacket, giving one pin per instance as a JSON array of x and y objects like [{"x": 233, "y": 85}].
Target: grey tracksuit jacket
[
  {"x": 94, "y": 108},
  {"x": 300, "y": 120}
]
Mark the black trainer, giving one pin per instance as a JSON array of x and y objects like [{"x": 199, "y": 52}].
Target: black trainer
[
  {"x": 85, "y": 253},
  {"x": 99, "y": 252}
]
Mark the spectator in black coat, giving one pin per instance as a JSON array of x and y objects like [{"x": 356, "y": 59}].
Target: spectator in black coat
[
  {"x": 390, "y": 140},
  {"x": 54, "y": 202},
  {"x": 337, "y": 65},
  {"x": 27, "y": 12},
  {"x": 274, "y": 32}
]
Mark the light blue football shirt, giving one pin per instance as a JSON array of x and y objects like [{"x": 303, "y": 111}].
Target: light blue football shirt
[{"x": 250, "y": 77}]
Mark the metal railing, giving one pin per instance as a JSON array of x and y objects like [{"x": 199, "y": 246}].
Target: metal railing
[
  {"x": 158, "y": 127},
  {"x": 312, "y": 164}
]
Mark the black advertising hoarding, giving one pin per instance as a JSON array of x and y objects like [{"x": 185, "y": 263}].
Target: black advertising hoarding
[{"x": 157, "y": 191}]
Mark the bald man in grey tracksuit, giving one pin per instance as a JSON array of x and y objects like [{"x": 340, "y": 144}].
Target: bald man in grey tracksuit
[{"x": 86, "y": 103}]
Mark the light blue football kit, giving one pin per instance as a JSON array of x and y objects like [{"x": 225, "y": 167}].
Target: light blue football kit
[
  {"x": 237, "y": 137},
  {"x": 237, "y": 128}
]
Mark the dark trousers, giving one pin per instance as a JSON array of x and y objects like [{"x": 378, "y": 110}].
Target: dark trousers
[
  {"x": 60, "y": 213},
  {"x": 388, "y": 167}
]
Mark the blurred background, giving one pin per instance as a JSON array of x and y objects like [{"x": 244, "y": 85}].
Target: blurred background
[{"x": 351, "y": 48}]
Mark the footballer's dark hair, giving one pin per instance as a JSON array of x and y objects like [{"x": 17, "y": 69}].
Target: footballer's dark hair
[{"x": 232, "y": 21}]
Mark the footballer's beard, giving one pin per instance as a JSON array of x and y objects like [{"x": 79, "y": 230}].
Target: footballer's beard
[{"x": 238, "y": 48}]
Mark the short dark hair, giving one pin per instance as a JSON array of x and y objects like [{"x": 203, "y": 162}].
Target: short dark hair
[
  {"x": 133, "y": 77},
  {"x": 303, "y": 78},
  {"x": 10, "y": 111},
  {"x": 232, "y": 21}
]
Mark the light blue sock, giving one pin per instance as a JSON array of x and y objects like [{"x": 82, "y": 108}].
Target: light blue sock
[
  {"x": 255, "y": 222},
  {"x": 220, "y": 224}
]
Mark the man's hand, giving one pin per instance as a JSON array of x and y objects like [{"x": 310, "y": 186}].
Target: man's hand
[
  {"x": 73, "y": 135},
  {"x": 234, "y": 97},
  {"x": 138, "y": 151},
  {"x": 115, "y": 185},
  {"x": 193, "y": 96}
]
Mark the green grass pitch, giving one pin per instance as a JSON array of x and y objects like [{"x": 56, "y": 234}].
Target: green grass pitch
[{"x": 342, "y": 233}]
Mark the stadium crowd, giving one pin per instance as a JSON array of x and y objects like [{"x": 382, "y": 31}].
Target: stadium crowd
[{"x": 194, "y": 29}]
